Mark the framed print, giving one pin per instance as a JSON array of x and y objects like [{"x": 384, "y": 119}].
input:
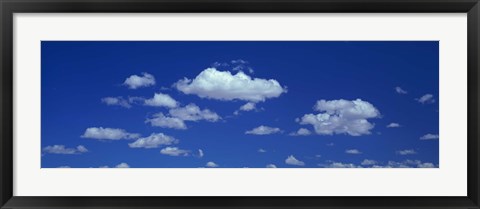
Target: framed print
[{"x": 239, "y": 104}]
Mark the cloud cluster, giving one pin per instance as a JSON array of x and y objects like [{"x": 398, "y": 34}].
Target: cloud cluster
[
  {"x": 192, "y": 112},
  {"x": 108, "y": 133},
  {"x": 153, "y": 141},
  {"x": 135, "y": 81},
  {"x": 263, "y": 130},
  {"x": 341, "y": 117},
  {"x": 174, "y": 151},
  {"x": 222, "y": 85},
  {"x": 291, "y": 160},
  {"x": 429, "y": 137},
  {"x": 116, "y": 101},
  {"x": 61, "y": 149},
  {"x": 341, "y": 165},
  {"x": 161, "y": 100}
]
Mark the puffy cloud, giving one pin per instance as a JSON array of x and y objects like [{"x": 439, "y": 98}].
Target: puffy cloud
[
  {"x": 200, "y": 153},
  {"x": 192, "y": 112},
  {"x": 248, "y": 107},
  {"x": 368, "y": 162},
  {"x": 153, "y": 141},
  {"x": 271, "y": 166},
  {"x": 61, "y": 149},
  {"x": 429, "y": 136},
  {"x": 222, "y": 85},
  {"x": 163, "y": 121},
  {"x": 353, "y": 151},
  {"x": 261, "y": 150},
  {"x": 174, "y": 151},
  {"x": 108, "y": 133},
  {"x": 135, "y": 81},
  {"x": 406, "y": 152},
  {"x": 425, "y": 99},
  {"x": 400, "y": 90},
  {"x": 393, "y": 125},
  {"x": 263, "y": 130},
  {"x": 122, "y": 165},
  {"x": 301, "y": 132},
  {"x": 161, "y": 100},
  {"x": 211, "y": 164},
  {"x": 341, "y": 117},
  {"x": 291, "y": 160},
  {"x": 116, "y": 101}
]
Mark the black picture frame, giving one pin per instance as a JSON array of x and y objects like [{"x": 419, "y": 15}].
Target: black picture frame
[{"x": 9, "y": 7}]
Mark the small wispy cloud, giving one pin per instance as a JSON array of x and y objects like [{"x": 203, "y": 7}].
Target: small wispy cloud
[
  {"x": 61, "y": 149},
  {"x": 153, "y": 141},
  {"x": 400, "y": 90},
  {"x": 353, "y": 151},
  {"x": 108, "y": 133},
  {"x": 301, "y": 132},
  {"x": 212, "y": 165},
  {"x": 426, "y": 99},
  {"x": 263, "y": 130},
  {"x": 271, "y": 166},
  {"x": 429, "y": 137},
  {"x": 122, "y": 165},
  {"x": 116, "y": 101},
  {"x": 393, "y": 125},
  {"x": 261, "y": 150},
  {"x": 406, "y": 152},
  {"x": 174, "y": 151}
]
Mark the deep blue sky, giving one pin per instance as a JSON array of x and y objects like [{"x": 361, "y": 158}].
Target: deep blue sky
[{"x": 76, "y": 75}]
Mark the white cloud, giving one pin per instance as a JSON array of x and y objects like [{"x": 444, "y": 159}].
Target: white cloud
[
  {"x": 261, "y": 150},
  {"x": 406, "y": 152},
  {"x": 408, "y": 164},
  {"x": 341, "y": 117},
  {"x": 342, "y": 165},
  {"x": 353, "y": 151},
  {"x": 161, "y": 100},
  {"x": 116, "y": 101},
  {"x": 425, "y": 99},
  {"x": 429, "y": 136},
  {"x": 400, "y": 90},
  {"x": 368, "y": 162},
  {"x": 153, "y": 141},
  {"x": 192, "y": 112},
  {"x": 108, "y": 133},
  {"x": 61, "y": 149},
  {"x": 211, "y": 164},
  {"x": 301, "y": 132},
  {"x": 174, "y": 151},
  {"x": 263, "y": 130},
  {"x": 393, "y": 125},
  {"x": 135, "y": 81},
  {"x": 222, "y": 85},
  {"x": 200, "y": 153},
  {"x": 271, "y": 166},
  {"x": 163, "y": 121},
  {"x": 291, "y": 160},
  {"x": 122, "y": 165},
  {"x": 249, "y": 106}
]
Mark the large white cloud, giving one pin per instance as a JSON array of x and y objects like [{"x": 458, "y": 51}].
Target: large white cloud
[
  {"x": 263, "y": 130},
  {"x": 135, "y": 81},
  {"x": 108, "y": 133},
  {"x": 163, "y": 121},
  {"x": 116, "y": 101},
  {"x": 341, "y": 117},
  {"x": 161, "y": 100},
  {"x": 153, "y": 141},
  {"x": 291, "y": 160},
  {"x": 192, "y": 112},
  {"x": 61, "y": 149},
  {"x": 174, "y": 151},
  {"x": 222, "y": 85}
]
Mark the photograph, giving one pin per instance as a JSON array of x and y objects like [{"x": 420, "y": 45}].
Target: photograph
[{"x": 240, "y": 104}]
